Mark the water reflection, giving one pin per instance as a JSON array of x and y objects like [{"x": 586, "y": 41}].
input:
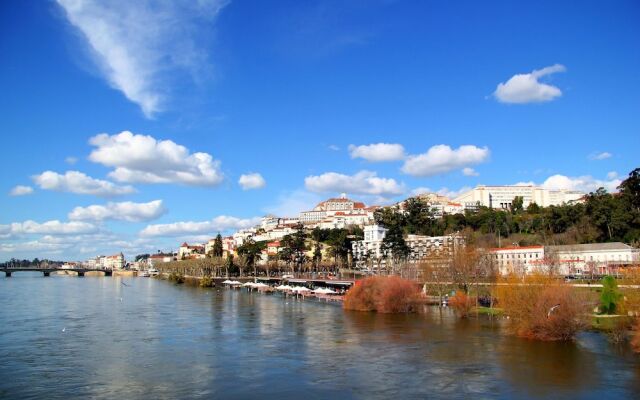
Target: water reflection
[
  {"x": 166, "y": 341},
  {"x": 547, "y": 368}
]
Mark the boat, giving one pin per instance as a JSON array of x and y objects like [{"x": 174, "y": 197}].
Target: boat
[
  {"x": 144, "y": 274},
  {"x": 153, "y": 272}
]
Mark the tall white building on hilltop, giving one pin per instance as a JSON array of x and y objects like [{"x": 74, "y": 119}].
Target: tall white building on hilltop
[{"x": 502, "y": 196}]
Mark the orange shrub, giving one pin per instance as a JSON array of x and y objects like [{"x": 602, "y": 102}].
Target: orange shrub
[
  {"x": 390, "y": 294},
  {"x": 542, "y": 308},
  {"x": 462, "y": 304}
]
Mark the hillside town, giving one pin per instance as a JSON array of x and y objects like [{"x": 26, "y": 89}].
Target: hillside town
[{"x": 369, "y": 253}]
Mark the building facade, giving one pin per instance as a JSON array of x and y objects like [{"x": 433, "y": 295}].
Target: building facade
[
  {"x": 421, "y": 247},
  {"x": 501, "y": 197},
  {"x": 578, "y": 260}
]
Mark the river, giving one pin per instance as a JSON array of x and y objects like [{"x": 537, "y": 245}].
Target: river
[{"x": 141, "y": 338}]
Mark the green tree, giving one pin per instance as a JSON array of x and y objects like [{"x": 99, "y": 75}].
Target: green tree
[
  {"x": 630, "y": 189},
  {"x": 419, "y": 218},
  {"x": 517, "y": 205},
  {"x": 610, "y": 295},
  {"x": 250, "y": 252},
  {"x": 293, "y": 247},
  {"x": 394, "y": 244},
  {"x": 217, "y": 246},
  {"x": 533, "y": 208},
  {"x": 141, "y": 257},
  {"x": 317, "y": 253}
]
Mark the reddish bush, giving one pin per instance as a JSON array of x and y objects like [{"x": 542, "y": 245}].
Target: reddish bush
[
  {"x": 383, "y": 294},
  {"x": 462, "y": 304},
  {"x": 542, "y": 308}
]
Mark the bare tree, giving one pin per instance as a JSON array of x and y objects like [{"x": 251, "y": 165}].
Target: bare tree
[{"x": 437, "y": 278}]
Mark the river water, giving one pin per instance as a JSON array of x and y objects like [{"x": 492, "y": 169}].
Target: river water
[{"x": 93, "y": 337}]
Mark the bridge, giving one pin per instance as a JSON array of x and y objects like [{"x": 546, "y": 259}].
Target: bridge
[{"x": 47, "y": 270}]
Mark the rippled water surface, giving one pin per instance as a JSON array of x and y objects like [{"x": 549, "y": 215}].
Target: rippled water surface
[{"x": 93, "y": 337}]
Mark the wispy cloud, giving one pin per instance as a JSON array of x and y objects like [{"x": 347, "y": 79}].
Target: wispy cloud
[
  {"x": 598, "y": 156},
  {"x": 467, "y": 171},
  {"x": 53, "y": 227},
  {"x": 221, "y": 223},
  {"x": 526, "y": 88},
  {"x": 138, "y": 45},
  {"x": 21, "y": 190}
]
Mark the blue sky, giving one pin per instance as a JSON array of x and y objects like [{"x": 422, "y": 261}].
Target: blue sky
[{"x": 296, "y": 92}]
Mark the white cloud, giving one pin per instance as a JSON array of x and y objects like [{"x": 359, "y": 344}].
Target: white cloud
[
  {"x": 139, "y": 45},
  {"x": 142, "y": 158},
  {"x": 600, "y": 156},
  {"x": 525, "y": 88},
  {"x": 441, "y": 159},
  {"x": 584, "y": 183},
  {"x": 363, "y": 182},
  {"x": 123, "y": 211},
  {"x": 21, "y": 190},
  {"x": 218, "y": 224},
  {"x": 77, "y": 182},
  {"x": 77, "y": 246},
  {"x": 378, "y": 152},
  {"x": 32, "y": 246},
  {"x": 53, "y": 227},
  {"x": 469, "y": 172},
  {"x": 612, "y": 175},
  {"x": 334, "y": 147},
  {"x": 71, "y": 160},
  {"x": 251, "y": 181}
]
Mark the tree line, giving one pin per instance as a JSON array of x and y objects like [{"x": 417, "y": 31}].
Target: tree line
[
  {"x": 36, "y": 262},
  {"x": 602, "y": 217}
]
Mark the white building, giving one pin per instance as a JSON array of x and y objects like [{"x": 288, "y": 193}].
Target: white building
[
  {"x": 502, "y": 196},
  {"x": 274, "y": 234},
  {"x": 371, "y": 246},
  {"x": 518, "y": 260},
  {"x": 579, "y": 259},
  {"x": 160, "y": 258},
  {"x": 440, "y": 247},
  {"x": 191, "y": 251},
  {"x": 341, "y": 220},
  {"x": 115, "y": 261},
  {"x": 421, "y": 247},
  {"x": 594, "y": 258},
  {"x": 330, "y": 208}
]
